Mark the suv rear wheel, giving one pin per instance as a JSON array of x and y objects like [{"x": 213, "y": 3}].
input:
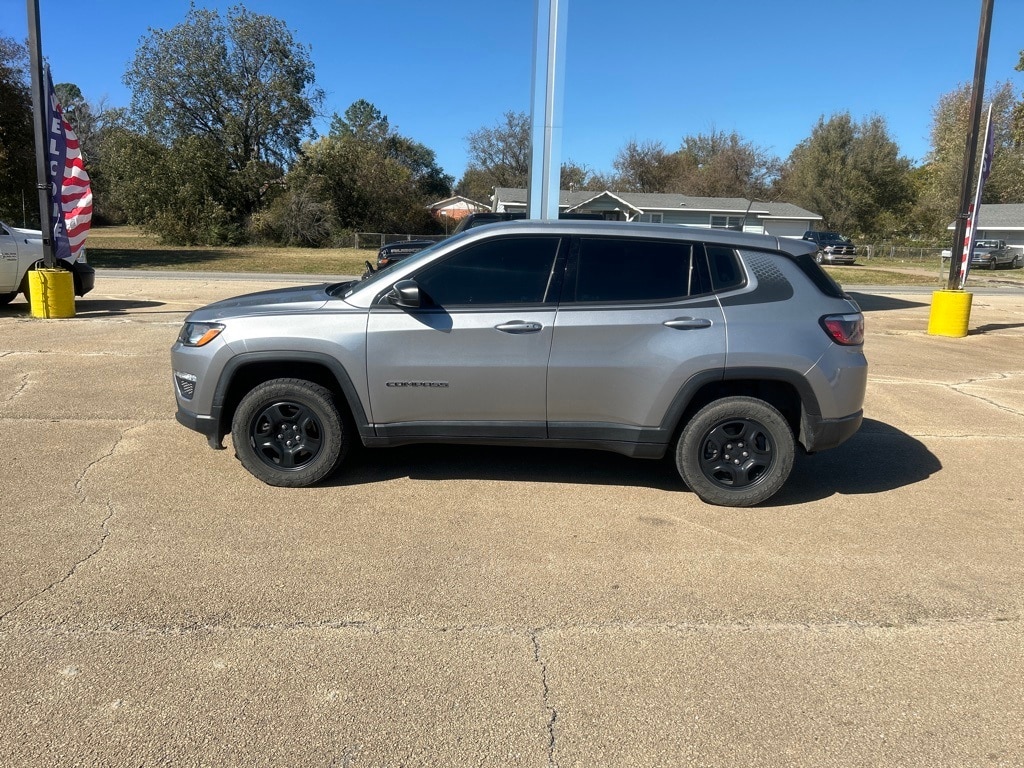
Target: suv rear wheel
[
  {"x": 289, "y": 432},
  {"x": 735, "y": 452}
]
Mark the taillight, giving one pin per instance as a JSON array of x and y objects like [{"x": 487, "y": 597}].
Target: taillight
[{"x": 847, "y": 330}]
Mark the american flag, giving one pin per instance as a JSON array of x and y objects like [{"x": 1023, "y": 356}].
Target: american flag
[{"x": 75, "y": 193}]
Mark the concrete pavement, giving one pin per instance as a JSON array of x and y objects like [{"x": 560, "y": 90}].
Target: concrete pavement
[{"x": 467, "y": 606}]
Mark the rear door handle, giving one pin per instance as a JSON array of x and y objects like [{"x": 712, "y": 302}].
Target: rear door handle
[
  {"x": 688, "y": 323},
  {"x": 519, "y": 326}
]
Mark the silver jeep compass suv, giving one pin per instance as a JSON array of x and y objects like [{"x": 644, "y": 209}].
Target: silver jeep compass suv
[{"x": 722, "y": 349}]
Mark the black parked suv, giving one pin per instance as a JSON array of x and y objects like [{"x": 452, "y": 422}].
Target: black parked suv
[{"x": 833, "y": 248}]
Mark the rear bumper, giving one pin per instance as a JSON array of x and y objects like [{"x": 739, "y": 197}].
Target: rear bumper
[
  {"x": 85, "y": 277},
  {"x": 818, "y": 434}
]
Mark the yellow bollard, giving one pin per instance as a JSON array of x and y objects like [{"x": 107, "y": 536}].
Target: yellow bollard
[
  {"x": 951, "y": 313},
  {"x": 51, "y": 293}
]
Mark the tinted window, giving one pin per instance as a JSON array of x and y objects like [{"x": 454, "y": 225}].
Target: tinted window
[
  {"x": 725, "y": 268},
  {"x": 513, "y": 270},
  {"x": 628, "y": 270}
]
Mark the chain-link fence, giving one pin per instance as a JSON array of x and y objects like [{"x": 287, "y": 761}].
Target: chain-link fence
[{"x": 889, "y": 252}]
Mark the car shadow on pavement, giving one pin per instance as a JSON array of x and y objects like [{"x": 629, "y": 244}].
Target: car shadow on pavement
[
  {"x": 90, "y": 307},
  {"x": 878, "y": 458},
  {"x": 869, "y": 302},
  {"x": 107, "y": 307},
  {"x": 540, "y": 465}
]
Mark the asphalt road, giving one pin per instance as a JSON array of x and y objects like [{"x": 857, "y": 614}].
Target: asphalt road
[{"x": 498, "y": 607}]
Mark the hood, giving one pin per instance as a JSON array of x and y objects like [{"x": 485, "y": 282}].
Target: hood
[
  {"x": 29, "y": 234},
  {"x": 306, "y": 298}
]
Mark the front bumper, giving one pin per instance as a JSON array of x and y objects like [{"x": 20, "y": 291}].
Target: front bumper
[{"x": 203, "y": 424}]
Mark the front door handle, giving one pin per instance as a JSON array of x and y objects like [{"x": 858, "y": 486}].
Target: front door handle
[
  {"x": 519, "y": 326},
  {"x": 688, "y": 323}
]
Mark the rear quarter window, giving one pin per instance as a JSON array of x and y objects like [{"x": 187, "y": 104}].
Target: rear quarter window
[{"x": 724, "y": 265}]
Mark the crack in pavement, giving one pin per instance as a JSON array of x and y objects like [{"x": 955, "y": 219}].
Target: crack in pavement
[
  {"x": 25, "y": 378},
  {"x": 104, "y": 531},
  {"x": 105, "y": 527},
  {"x": 958, "y": 387},
  {"x": 546, "y": 691}
]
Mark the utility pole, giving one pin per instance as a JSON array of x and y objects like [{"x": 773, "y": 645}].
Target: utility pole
[
  {"x": 971, "y": 150},
  {"x": 44, "y": 179}
]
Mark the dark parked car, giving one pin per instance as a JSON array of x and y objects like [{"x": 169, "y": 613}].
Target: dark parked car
[
  {"x": 393, "y": 252},
  {"x": 492, "y": 217},
  {"x": 833, "y": 248}
]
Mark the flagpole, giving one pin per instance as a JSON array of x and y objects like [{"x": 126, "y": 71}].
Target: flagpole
[
  {"x": 43, "y": 180},
  {"x": 970, "y": 154}
]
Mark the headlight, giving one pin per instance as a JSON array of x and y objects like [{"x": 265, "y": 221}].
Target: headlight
[{"x": 198, "y": 334}]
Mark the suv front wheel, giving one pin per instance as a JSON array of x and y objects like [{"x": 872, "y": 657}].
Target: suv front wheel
[
  {"x": 289, "y": 432},
  {"x": 735, "y": 452}
]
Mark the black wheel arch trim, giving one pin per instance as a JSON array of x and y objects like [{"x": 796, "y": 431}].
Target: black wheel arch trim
[
  {"x": 810, "y": 410},
  {"x": 239, "y": 362}
]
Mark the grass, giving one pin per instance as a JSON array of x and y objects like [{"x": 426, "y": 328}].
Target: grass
[{"x": 131, "y": 248}]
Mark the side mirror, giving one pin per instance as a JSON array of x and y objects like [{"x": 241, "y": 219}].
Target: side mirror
[{"x": 405, "y": 294}]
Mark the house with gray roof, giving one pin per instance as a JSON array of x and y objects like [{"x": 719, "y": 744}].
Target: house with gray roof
[
  {"x": 780, "y": 219},
  {"x": 1001, "y": 221}
]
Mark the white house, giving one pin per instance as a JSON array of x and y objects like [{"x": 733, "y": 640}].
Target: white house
[
  {"x": 780, "y": 219},
  {"x": 1001, "y": 221}
]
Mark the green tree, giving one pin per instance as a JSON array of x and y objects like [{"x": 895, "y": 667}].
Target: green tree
[
  {"x": 646, "y": 167},
  {"x": 364, "y": 123},
  {"x": 851, "y": 173},
  {"x": 942, "y": 171},
  {"x": 719, "y": 164},
  {"x": 499, "y": 156},
  {"x": 176, "y": 191},
  {"x": 239, "y": 85},
  {"x": 18, "y": 194},
  {"x": 85, "y": 119},
  {"x": 368, "y": 176}
]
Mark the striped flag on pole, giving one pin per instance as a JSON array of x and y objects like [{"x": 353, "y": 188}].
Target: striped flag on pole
[
  {"x": 70, "y": 191},
  {"x": 975, "y": 211}
]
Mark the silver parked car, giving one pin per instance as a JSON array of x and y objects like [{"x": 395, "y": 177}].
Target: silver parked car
[{"x": 724, "y": 350}]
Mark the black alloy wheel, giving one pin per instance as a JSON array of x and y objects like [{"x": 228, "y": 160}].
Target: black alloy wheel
[
  {"x": 289, "y": 432},
  {"x": 736, "y": 452}
]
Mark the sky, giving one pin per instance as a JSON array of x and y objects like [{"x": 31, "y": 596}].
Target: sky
[{"x": 654, "y": 70}]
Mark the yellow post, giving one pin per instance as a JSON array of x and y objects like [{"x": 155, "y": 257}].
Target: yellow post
[
  {"x": 51, "y": 293},
  {"x": 951, "y": 313}
]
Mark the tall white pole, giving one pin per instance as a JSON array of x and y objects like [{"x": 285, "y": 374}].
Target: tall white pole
[{"x": 546, "y": 110}]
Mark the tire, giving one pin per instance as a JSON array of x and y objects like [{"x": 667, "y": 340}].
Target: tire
[
  {"x": 819, "y": 257},
  {"x": 7, "y": 298},
  {"x": 992, "y": 263},
  {"x": 1016, "y": 262},
  {"x": 736, "y": 452},
  {"x": 316, "y": 441}
]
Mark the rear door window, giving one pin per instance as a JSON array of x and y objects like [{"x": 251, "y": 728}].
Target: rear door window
[{"x": 629, "y": 270}]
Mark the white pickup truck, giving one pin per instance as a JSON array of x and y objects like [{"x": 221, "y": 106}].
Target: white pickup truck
[{"x": 21, "y": 250}]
